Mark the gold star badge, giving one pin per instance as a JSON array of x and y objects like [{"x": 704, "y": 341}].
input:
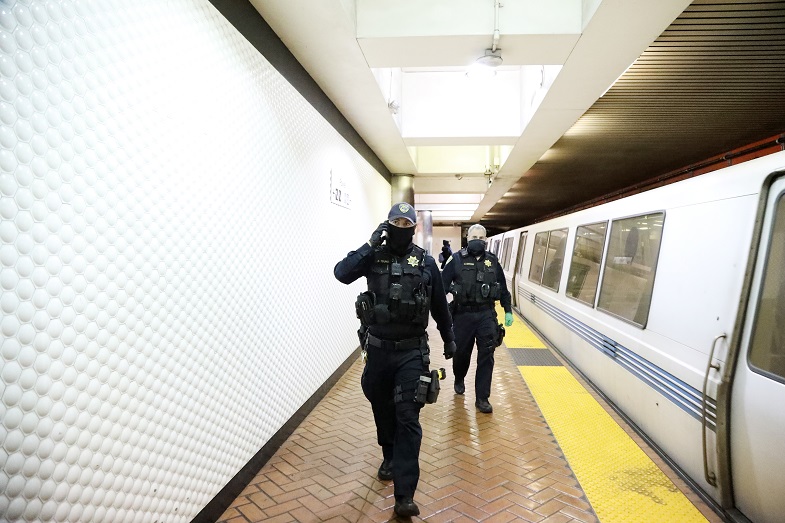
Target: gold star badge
[
  {"x": 413, "y": 261},
  {"x": 487, "y": 263}
]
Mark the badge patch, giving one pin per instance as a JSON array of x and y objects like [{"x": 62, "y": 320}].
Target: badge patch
[
  {"x": 487, "y": 263},
  {"x": 413, "y": 261},
  {"x": 404, "y": 208}
]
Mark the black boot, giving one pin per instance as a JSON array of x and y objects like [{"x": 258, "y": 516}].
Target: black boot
[
  {"x": 406, "y": 507},
  {"x": 460, "y": 388},
  {"x": 385, "y": 470},
  {"x": 484, "y": 406}
]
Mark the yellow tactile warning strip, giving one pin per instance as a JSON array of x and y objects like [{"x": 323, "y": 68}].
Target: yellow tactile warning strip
[
  {"x": 518, "y": 334},
  {"x": 620, "y": 481}
]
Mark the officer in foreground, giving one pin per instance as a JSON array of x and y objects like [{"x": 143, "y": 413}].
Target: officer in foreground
[
  {"x": 476, "y": 281},
  {"x": 403, "y": 287}
]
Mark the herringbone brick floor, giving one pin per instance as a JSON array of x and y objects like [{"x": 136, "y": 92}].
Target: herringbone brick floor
[{"x": 501, "y": 467}]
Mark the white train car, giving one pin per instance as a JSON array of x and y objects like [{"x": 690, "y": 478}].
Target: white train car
[{"x": 672, "y": 303}]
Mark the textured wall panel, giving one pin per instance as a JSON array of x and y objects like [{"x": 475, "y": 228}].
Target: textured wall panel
[{"x": 168, "y": 243}]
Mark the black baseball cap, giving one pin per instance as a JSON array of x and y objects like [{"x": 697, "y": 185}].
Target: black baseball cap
[{"x": 402, "y": 210}]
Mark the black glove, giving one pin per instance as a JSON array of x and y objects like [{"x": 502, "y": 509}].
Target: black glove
[
  {"x": 449, "y": 349},
  {"x": 376, "y": 237}
]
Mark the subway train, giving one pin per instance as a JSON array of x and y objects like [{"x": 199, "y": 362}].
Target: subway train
[{"x": 671, "y": 303}]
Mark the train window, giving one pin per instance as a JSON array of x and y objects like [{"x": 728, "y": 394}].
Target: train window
[
  {"x": 495, "y": 248},
  {"x": 585, "y": 264},
  {"x": 538, "y": 257},
  {"x": 519, "y": 258},
  {"x": 507, "y": 253},
  {"x": 628, "y": 278},
  {"x": 767, "y": 348},
  {"x": 554, "y": 259}
]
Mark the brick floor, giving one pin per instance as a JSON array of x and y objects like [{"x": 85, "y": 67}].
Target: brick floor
[{"x": 502, "y": 467}]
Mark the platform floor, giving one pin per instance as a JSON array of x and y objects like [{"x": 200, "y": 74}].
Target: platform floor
[{"x": 506, "y": 466}]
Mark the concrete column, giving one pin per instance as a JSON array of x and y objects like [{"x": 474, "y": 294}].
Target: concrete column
[
  {"x": 423, "y": 236},
  {"x": 402, "y": 188}
]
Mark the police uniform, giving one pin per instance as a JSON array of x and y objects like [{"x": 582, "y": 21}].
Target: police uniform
[
  {"x": 402, "y": 289},
  {"x": 476, "y": 283}
]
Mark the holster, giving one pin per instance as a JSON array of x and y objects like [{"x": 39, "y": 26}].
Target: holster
[
  {"x": 428, "y": 387},
  {"x": 362, "y": 334},
  {"x": 500, "y": 333}
]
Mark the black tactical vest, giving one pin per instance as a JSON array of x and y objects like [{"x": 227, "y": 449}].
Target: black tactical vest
[
  {"x": 476, "y": 284},
  {"x": 397, "y": 292}
]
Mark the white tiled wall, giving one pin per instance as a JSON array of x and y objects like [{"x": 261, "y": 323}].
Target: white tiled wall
[{"x": 167, "y": 251}]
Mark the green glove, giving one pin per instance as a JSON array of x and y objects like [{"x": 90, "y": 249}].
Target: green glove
[{"x": 507, "y": 319}]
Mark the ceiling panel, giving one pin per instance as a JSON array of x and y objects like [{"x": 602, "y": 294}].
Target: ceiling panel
[{"x": 714, "y": 81}]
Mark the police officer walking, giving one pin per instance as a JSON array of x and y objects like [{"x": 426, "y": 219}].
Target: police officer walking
[
  {"x": 403, "y": 287},
  {"x": 476, "y": 281},
  {"x": 445, "y": 254}
]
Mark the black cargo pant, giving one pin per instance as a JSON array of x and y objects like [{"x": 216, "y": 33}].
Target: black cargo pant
[
  {"x": 398, "y": 429},
  {"x": 468, "y": 327}
]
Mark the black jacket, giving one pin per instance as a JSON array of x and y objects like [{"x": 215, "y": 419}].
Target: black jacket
[
  {"x": 358, "y": 264},
  {"x": 449, "y": 275},
  {"x": 444, "y": 257}
]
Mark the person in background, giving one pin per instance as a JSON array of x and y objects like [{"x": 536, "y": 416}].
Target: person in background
[
  {"x": 476, "y": 280},
  {"x": 445, "y": 254},
  {"x": 404, "y": 286}
]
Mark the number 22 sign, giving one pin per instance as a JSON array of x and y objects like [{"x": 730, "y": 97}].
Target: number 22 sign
[{"x": 339, "y": 191}]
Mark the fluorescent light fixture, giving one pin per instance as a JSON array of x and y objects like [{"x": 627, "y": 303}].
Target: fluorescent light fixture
[
  {"x": 428, "y": 198},
  {"x": 447, "y": 207},
  {"x": 448, "y": 215}
]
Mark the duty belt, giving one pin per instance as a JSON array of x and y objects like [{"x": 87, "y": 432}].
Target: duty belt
[
  {"x": 410, "y": 343},
  {"x": 473, "y": 308}
]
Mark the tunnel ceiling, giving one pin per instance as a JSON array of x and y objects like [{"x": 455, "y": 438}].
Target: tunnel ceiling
[
  {"x": 707, "y": 78},
  {"x": 713, "y": 82}
]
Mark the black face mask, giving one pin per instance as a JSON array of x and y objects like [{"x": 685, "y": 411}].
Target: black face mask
[
  {"x": 476, "y": 247},
  {"x": 399, "y": 238}
]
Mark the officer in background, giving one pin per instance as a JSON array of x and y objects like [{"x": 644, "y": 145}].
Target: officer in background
[
  {"x": 476, "y": 281},
  {"x": 403, "y": 287},
  {"x": 445, "y": 254}
]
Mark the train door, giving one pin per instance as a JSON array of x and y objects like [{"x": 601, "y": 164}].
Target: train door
[
  {"x": 757, "y": 417},
  {"x": 518, "y": 268}
]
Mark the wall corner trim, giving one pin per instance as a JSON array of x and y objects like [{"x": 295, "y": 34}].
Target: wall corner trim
[{"x": 249, "y": 23}]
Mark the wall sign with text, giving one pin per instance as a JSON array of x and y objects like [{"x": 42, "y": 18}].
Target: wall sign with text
[{"x": 339, "y": 190}]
